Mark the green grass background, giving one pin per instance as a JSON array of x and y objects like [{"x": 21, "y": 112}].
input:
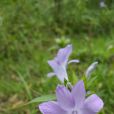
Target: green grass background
[{"x": 29, "y": 30}]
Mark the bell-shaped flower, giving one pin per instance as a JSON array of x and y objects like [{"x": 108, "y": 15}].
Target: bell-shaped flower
[
  {"x": 90, "y": 69},
  {"x": 60, "y": 62},
  {"x": 72, "y": 102}
]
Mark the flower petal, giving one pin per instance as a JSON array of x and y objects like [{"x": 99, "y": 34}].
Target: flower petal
[
  {"x": 74, "y": 61},
  {"x": 64, "y": 98},
  {"x": 51, "y": 74},
  {"x": 64, "y": 53},
  {"x": 53, "y": 64},
  {"x": 86, "y": 111},
  {"x": 59, "y": 70},
  {"x": 94, "y": 103},
  {"x": 51, "y": 107},
  {"x": 78, "y": 92}
]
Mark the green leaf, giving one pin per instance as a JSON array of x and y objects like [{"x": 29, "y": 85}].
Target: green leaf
[{"x": 42, "y": 99}]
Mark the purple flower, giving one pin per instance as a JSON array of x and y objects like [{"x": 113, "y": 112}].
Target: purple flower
[
  {"x": 90, "y": 69},
  {"x": 59, "y": 63},
  {"x": 72, "y": 102}
]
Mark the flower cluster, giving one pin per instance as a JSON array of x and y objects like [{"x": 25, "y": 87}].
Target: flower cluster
[{"x": 73, "y": 100}]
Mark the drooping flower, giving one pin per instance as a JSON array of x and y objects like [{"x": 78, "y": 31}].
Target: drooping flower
[
  {"x": 72, "y": 102},
  {"x": 60, "y": 62},
  {"x": 90, "y": 69}
]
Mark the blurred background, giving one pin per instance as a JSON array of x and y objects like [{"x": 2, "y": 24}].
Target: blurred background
[{"x": 31, "y": 32}]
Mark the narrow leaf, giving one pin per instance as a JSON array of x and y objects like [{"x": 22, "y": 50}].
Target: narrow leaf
[{"x": 42, "y": 99}]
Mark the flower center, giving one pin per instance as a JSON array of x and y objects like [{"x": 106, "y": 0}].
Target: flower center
[{"x": 74, "y": 112}]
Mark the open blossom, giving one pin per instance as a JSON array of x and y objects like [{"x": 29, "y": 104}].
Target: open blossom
[
  {"x": 72, "y": 102},
  {"x": 60, "y": 62}
]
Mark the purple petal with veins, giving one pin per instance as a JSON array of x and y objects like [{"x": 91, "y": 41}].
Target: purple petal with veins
[
  {"x": 72, "y": 102},
  {"x": 60, "y": 62}
]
